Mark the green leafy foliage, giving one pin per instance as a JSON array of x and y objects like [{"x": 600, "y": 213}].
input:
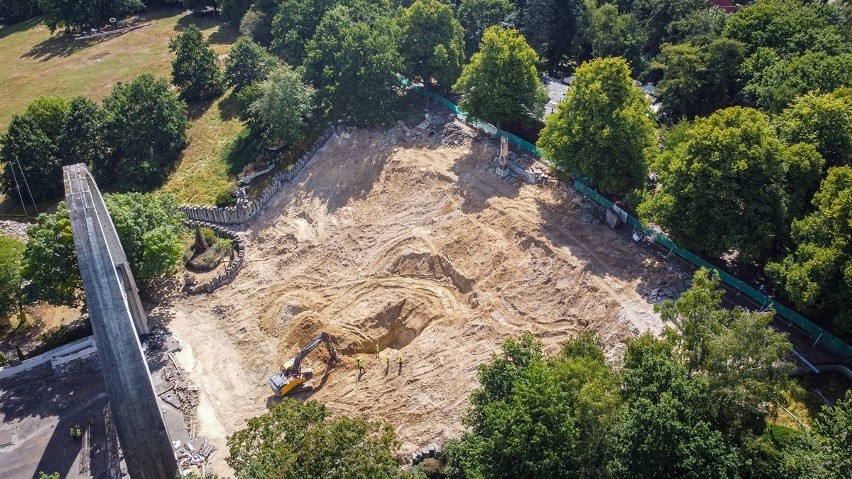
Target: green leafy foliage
[
  {"x": 729, "y": 167},
  {"x": 824, "y": 121},
  {"x": 431, "y": 43},
  {"x": 195, "y": 69},
  {"x": 248, "y": 63},
  {"x": 602, "y": 129},
  {"x": 352, "y": 61},
  {"x": 233, "y": 10},
  {"x": 294, "y": 25},
  {"x": 150, "y": 228},
  {"x": 84, "y": 14},
  {"x": 500, "y": 84},
  {"x": 282, "y": 110},
  {"x": 616, "y": 34},
  {"x": 83, "y": 137},
  {"x": 805, "y": 168},
  {"x": 14, "y": 11},
  {"x": 11, "y": 255},
  {"x": 656, "y": 16},
  {"x": 30, "y": 151},
  {"x": 817, "y": 275},
  {"x": 300, "y": 439},
  {"x": 698, "y": 79},
  {"x": 146, "y": 128},
  {"x": 475, "y": 16},
  {"x": 551, "y": 27}
]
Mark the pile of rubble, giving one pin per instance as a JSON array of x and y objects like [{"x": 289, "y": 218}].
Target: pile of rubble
[
  {"x": 189, "y": 455},
  {"x": 14, "y": 229},
  {"x": 177, "y": 391}
]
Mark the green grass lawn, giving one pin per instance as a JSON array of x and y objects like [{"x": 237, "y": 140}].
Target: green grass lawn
[{"x": 37, "y": 63}]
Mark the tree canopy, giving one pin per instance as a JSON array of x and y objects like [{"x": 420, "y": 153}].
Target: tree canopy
[
  {"x": 30, "y": 151},
  {"x": 294, "y": 24},
  {"x": 551, "y": 27},
  {"x": 824, "y": 121},
  {"x": 11, "y": 255},
  {"x": 248, "y": 63},
  {"x": 431, "y": 43},
  {"x": 353, "y": 60},
  {"x": 500, "y": 84},
  {"x": 84, "y": 14},
  {"x": 284, "y": 105},
  {"x": 83, "y": 136},
  {"x": 722, "y": 186},
  {"x": 602, "y": 129},
  {"x": 475, "y": 16},
  {"x": 195, "y": 69},
  {"x": 146, "y": 129},
  {"x": 150, "y": 228},
  {"x": 817, "y": 274}
]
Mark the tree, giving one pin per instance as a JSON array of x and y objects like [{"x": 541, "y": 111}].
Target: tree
[
  {"x": 299, "y": 439},
  {"x": 50, "y": 261},
  {"x": 475, "y": 16},
  {"x": 602, "y": 129},
  {"x": 655, "y": 16},
  {"x": 84, "y": 14},
  {"x": 824, "y": 121},
  {"x": 30, "y": 151},
  {"x": 352, "y": 61},
  {"x": 817, "y": 274},
  {"x": 282, "y": 111},
  {"x": 432, "y": 43},
  {"x": 722, "y": 186},
  {"x": 247, "y": 63},
  {"x": 146, "y": 127},
  {"x": 294, "y": 25},
  {"x": 150, "y": 228},
  {"x": 11, "y": 254},
  {"x": 698, "y": 79},
  {"x": 257, "y": 21},
  {"x": 500, "y": 84},
  {"x": 835, "y": 424},
  {"x": 83, "y": 135},
  {"x": 805, "y": 168},
  {"x": 551, "y": 26},
  {"x": 233, "y": 10},
  {"x": 14, "y": 11},
  {"x": 616, "y": 35},
  {"x": 195, "y": 69},
  {"x": 201, "y": 5}
]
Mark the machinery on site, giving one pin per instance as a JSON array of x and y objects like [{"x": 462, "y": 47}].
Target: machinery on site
[{"x": 292, "y": 377}]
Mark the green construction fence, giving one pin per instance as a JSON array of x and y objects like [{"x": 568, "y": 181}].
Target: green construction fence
[{"x": 819, "y": 334}]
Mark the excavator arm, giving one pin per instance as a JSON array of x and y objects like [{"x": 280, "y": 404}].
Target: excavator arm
[{"x": 291, "y": 376}]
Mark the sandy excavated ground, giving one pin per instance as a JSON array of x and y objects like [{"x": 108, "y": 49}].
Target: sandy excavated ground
[{"x": 418, "y": 248}]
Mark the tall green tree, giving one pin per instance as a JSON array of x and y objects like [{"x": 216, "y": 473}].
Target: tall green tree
[
  {"x": 300, "y": 439},
  {"x": 282, "y": 111},
  {"x": 11, "y": 256},
  {"x": 233, "y": 10},
  {"x": 30, "y": 151},
  {"x": 824, "y": 121},
  {"x": 551, "y": 27},
  {"x": 353, "y": 60},
  {"x": 150, "y": 228},
  {"x": 656, "y": 16},
  {"x": 616, "y": 34},
  {"x": 602, "y": 129},
  {"x": 475, "y": 16},
  {"x": 195, "y": 69},
  {"x": 431, "y": 43},
  {"x": 817, "y": 274},
  {"x": 501, "y": 84},
  {"x": 698, "y": 79},
  {"x": 722, "y": 186},
  {"x": 14, "y": 11},
  {"x": 248, "y": 63},
  {"x": 83, "y": 138},
  {"x": 294, "y": 25}
]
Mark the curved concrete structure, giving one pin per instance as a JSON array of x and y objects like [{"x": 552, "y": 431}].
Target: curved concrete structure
[{"x": 117, "y": 315}]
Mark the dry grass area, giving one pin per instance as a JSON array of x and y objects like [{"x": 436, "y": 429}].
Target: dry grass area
[
  {"x": 421, "y": 250},
  {"x": 40, "y": 64}
]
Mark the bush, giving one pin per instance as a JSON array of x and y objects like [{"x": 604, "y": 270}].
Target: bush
[{"x": 225, "y": 199}]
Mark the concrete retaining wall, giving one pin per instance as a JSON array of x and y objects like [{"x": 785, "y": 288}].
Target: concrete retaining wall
[{"x": 242, "y": 213}]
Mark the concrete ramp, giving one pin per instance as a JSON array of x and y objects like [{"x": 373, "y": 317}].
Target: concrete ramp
[{"x": 117, "y": 316}]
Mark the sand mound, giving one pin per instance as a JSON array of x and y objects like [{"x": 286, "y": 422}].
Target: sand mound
[{"x": 423, "y": 251}]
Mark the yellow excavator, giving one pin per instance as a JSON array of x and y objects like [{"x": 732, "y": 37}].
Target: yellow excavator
[{"x": 292, "y": 377}]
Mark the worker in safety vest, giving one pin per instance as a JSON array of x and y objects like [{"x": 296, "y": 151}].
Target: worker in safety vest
[
  {"x": 360, "y": 364},
  {"x": 73, "y": 434},
  {"x": 78, "y": 431}
]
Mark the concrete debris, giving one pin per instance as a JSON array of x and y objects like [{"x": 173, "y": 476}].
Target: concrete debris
[
  {"x": 14, "y": 229},
  {"x": 188, "y": 455}
]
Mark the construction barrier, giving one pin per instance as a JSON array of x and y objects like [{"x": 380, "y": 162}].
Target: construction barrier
[{"x": 820, "y": 335}]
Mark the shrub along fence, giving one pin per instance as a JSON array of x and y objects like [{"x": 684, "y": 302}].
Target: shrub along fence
[{"x": 820, "y": 335}]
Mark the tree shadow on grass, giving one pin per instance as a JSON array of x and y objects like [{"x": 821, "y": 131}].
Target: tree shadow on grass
[
  {"x": 6, "y": 30},
  {"x": 195, "y": 109},
  {"x": 229, "y": 107},
  {"x": 241, "y": 151},
  {"x": 223, "y": 34},
  {"x": 60, "y": 46}
]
